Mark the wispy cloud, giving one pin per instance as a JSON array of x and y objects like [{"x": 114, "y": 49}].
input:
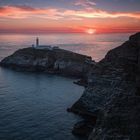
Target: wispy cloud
[
  {"x": 23, "y": 11},
  {"x": 85, "y": 3},
  {"x": 102, "y": 14}
]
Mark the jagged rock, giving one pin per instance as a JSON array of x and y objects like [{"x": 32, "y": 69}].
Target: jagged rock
[
  {"x": 112, "y": 93},
  {"x": 81, "y": 82},
  {"x": 83, "y": 128},
  {"x": 119, "y": 119}
]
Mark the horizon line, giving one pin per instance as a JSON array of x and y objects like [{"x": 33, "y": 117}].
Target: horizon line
[{"x": 65, "y": 32}]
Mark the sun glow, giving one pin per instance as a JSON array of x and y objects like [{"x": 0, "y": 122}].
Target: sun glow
[{"x": 90, "y": 31}]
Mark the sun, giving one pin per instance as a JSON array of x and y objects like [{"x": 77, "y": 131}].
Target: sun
[{"x": 90, "y": 31}]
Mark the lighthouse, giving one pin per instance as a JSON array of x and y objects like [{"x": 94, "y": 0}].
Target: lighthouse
[{"x": 37, "y": 42}]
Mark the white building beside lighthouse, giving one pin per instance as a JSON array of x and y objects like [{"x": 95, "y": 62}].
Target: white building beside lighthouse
[{"x": 38, "y": 46}]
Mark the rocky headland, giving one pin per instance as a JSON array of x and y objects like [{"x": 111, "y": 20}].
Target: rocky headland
[
  {"x": 110, "y": 103},
  {"x": 113, "y": 94},
  {"x": 55, "y": 61}
]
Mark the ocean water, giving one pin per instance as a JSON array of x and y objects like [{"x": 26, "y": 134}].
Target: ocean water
[
  {"x": 96, "y": 45},
  {"x": 33, "y": 105}
]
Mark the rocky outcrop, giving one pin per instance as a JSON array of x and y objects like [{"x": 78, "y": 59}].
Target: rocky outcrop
[
  {"x": 53, "y": 61},
  {"x": 113, "y": 93}
]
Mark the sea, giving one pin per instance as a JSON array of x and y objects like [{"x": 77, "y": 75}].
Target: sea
[{"x": 33, "y": 105}]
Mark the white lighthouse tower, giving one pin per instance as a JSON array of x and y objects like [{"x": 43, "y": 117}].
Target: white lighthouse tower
[{"x": 37, "y": 42}]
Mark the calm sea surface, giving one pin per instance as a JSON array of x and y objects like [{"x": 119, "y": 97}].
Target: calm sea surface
[
  {"x": 92, "y": 45},
  {"x": 32, "y": 105}
]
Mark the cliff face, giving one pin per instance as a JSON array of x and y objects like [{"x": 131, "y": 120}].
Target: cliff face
[
  {"x": 54, "y": 61},
  {"x": 113, "y": 93}
]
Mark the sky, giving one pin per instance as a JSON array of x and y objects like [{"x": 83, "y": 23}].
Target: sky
[{"x": 69, "y": 16}]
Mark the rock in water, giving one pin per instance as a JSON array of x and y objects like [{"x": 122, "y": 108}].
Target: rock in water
[
  {"x": 53, "y": 61},
  {"x": 113, "y": 94}
]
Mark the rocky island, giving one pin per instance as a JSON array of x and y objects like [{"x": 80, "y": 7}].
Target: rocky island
[
  {"x": 50, "y": 60},
  {"x": 110, "y": 103}
]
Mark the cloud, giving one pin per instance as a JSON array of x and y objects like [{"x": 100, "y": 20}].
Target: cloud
[
  {"x": 24, "y": 7},
  {"x": 85, "y": 3},
  {"x": 23, "y": 12},
  {"x": 101, "y": 14}
]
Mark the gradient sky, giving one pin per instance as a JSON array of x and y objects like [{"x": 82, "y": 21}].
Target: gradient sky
[{"x": 69, "y": 16}]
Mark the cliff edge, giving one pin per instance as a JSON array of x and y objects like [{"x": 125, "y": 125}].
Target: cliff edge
[{"x": 113, "y": 94}]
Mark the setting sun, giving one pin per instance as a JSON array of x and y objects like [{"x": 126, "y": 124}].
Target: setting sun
[{"x": 90, "y": 31}]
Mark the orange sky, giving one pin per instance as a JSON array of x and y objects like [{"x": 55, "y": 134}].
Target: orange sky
[{"x": 45, "y": 20}]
